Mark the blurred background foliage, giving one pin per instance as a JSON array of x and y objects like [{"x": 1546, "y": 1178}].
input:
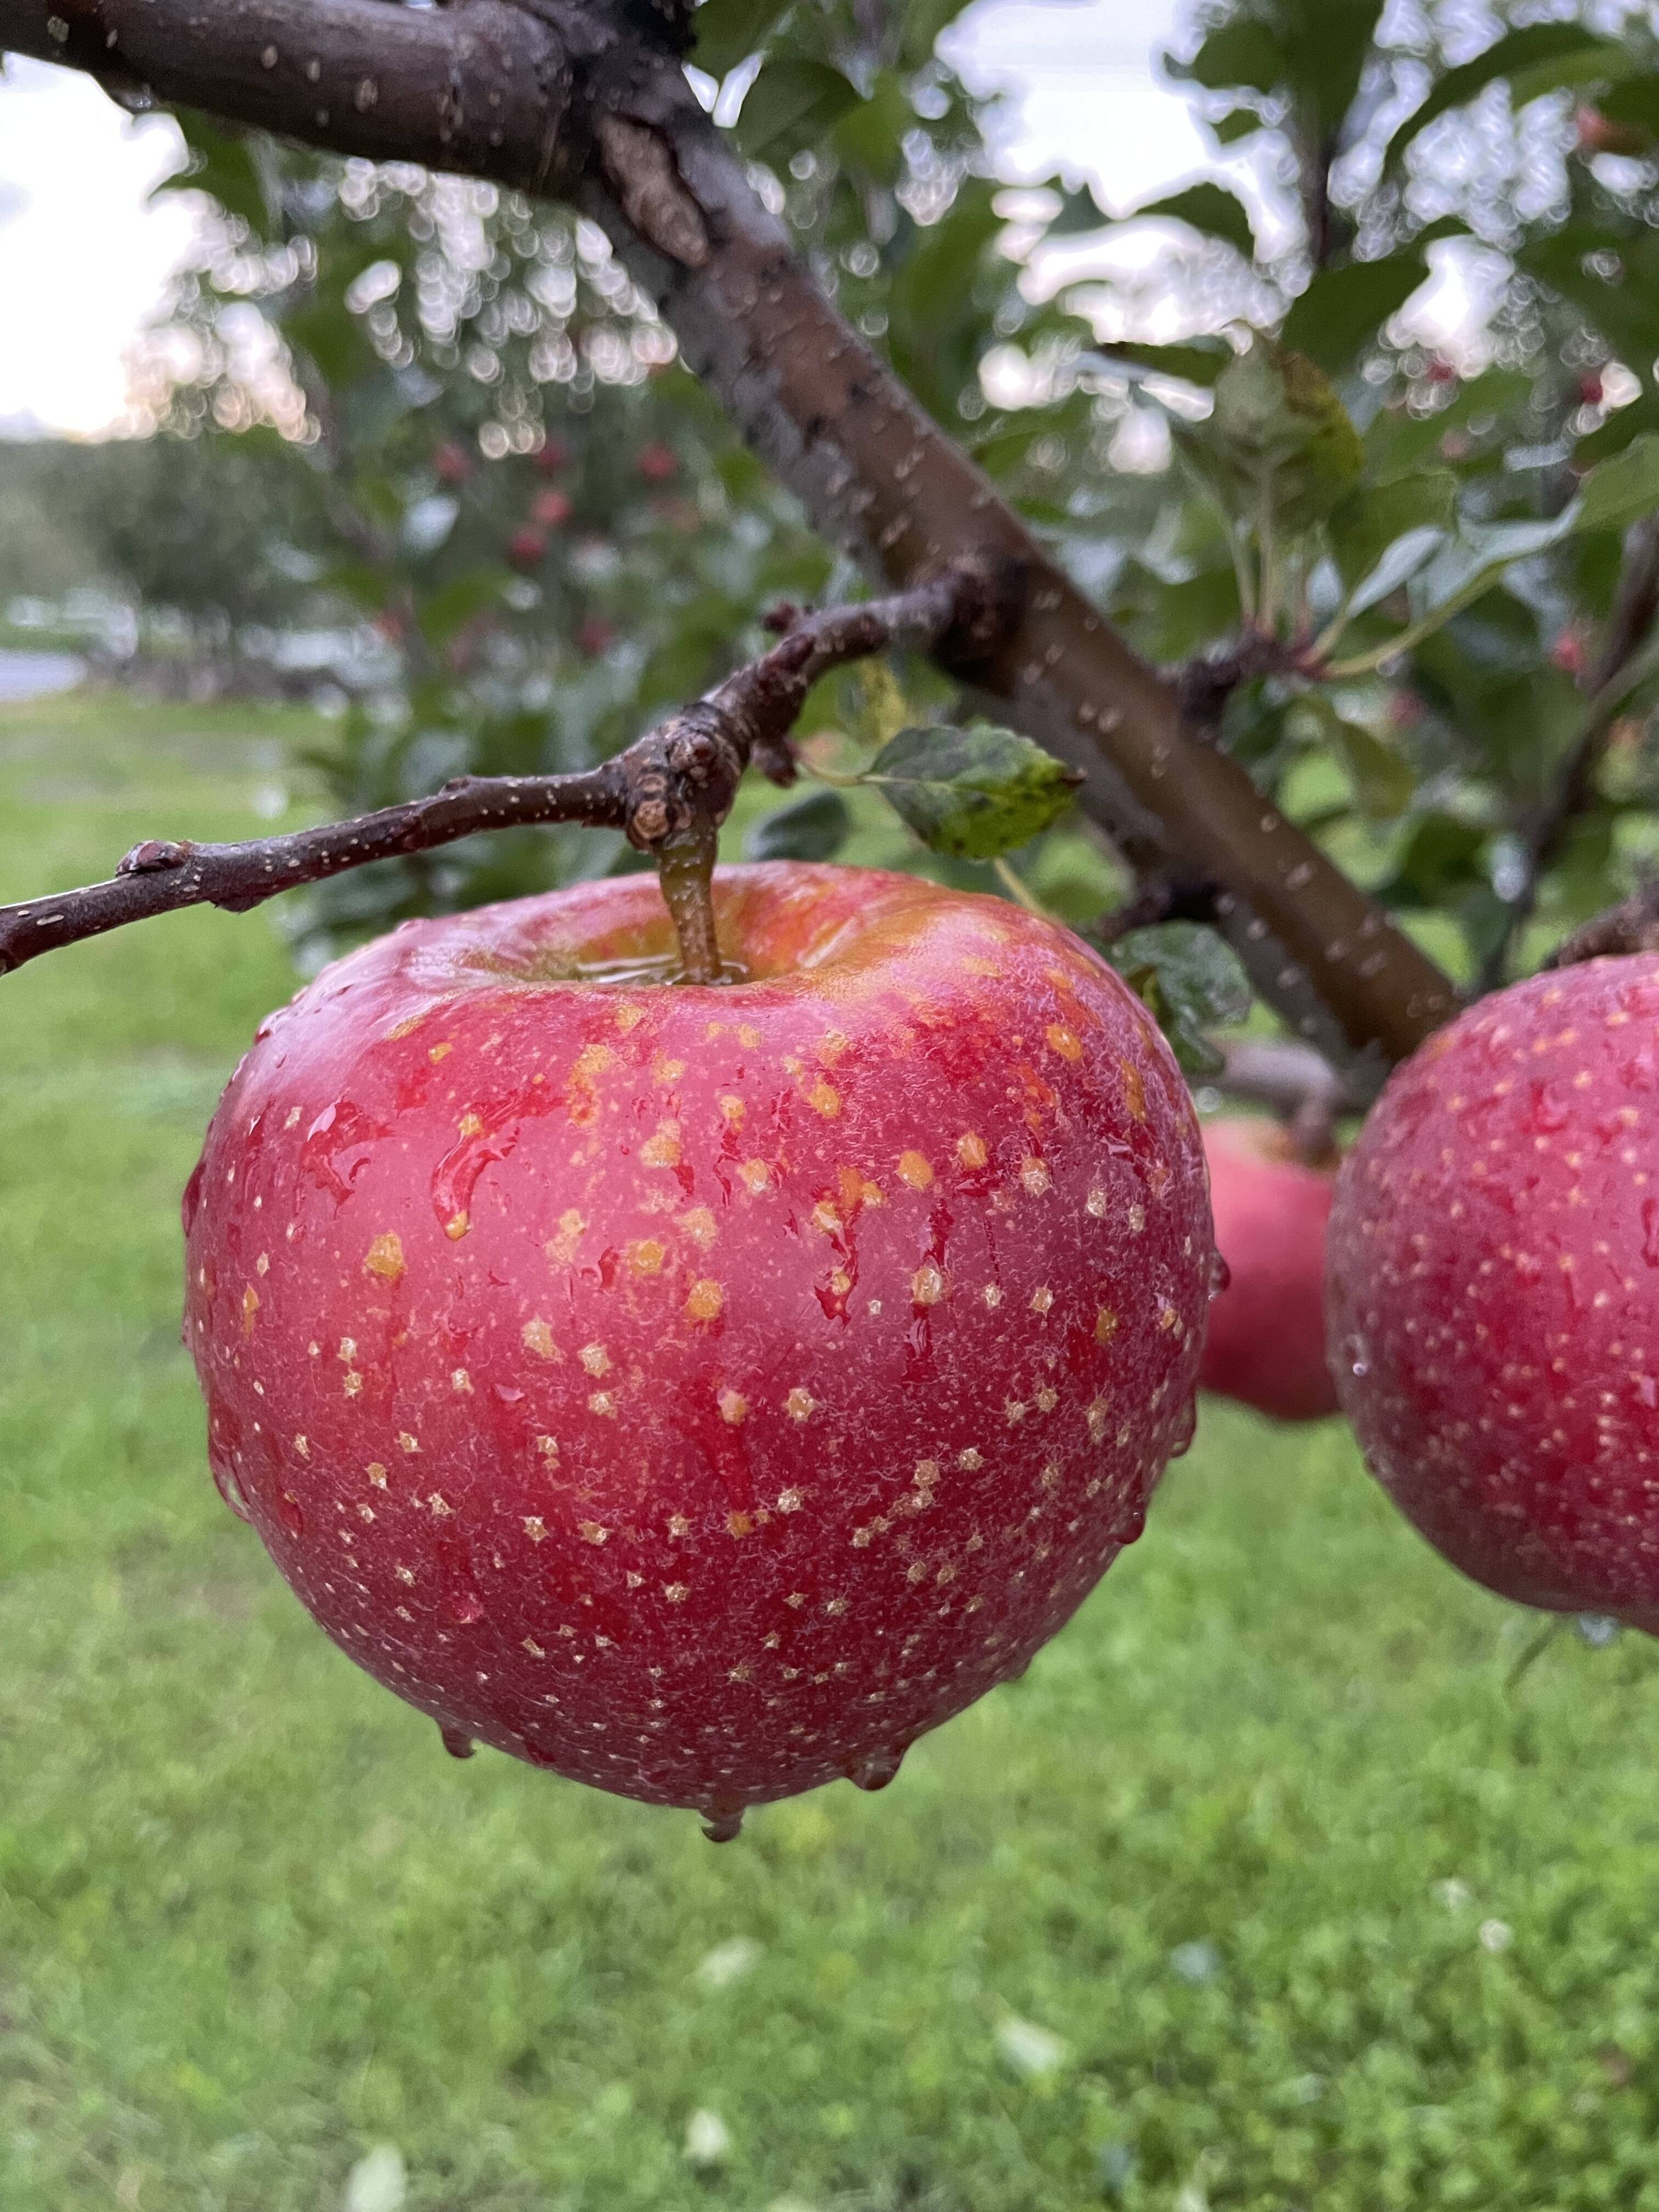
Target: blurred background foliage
[{"x": 423, "y": 450}]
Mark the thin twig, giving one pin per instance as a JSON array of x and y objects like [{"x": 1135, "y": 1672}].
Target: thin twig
[
  {"x": 1632, "y": 926},
  {"x": 668, "y": 793}
]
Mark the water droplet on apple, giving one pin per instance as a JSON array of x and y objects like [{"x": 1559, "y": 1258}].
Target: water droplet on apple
[
  {"x": 723, "y": 1824},
  {"x": 875, "y": 1769},
  {"x": 1220, "y": 1275},
  {"x": 230, "y": 1489},
  {"x": 290, "y": 1513},
  {"x": 456, "y": 1743}
]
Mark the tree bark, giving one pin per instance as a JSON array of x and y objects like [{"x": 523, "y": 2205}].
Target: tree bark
[{"x": 565, "y": 96}]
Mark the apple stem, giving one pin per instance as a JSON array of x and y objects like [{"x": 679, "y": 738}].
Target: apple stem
[{"x": 686, "y": 869}]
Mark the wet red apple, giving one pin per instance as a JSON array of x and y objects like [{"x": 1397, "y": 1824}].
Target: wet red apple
[
  {"x": 1266, "y": 1344},
  {"x": 701, "y": 1391},
  {"x": 1493, "y": 1291}
]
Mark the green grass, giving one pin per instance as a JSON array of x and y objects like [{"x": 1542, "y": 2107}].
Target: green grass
[{"x": 1232, "y": 1840}]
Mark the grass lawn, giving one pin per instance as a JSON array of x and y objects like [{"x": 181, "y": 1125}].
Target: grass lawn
[{"x": 1259, "y": 1890}]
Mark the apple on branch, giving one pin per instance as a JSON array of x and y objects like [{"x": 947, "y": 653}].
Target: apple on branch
[
  {"x": 701, "y": 1391},
  {"x": 1493, "y": 1290}
]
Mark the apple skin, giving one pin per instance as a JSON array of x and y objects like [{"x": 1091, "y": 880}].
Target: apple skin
[
  {"x": 1266, "y": 1344},
  {"x": 1492, "y": 1290},
  {"x": 701, "y": 1391}
]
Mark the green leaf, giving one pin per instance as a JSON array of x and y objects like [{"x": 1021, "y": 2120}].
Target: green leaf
[
  {"x": 1241, "y": 51},
  {"x": 1237, "y": 124},
  {"x": 792, "y": 104},
  {"x": 1442, "y": 857},
  {"x": 1539, "y": 57},
  {"x": 813, "y": 828},
  {"x": 1371, "y": 521},
  {"x": 1190, "y": 981},
  {"x": 1383, "y": 783},
  {"x": 1344, "y": 308},
  {"x": 974, "y": 793},
  {"x": 1207, "y": 208},
  {"x": 1622, "y": 490},
  {"x": 230, "y": 167},
  {"x": 449, "y": 609},
  {"x": 870, "y": 137},
  {"x": 1198, "y": 362},
  {"x": 729, "y": 31},
  {"x": 1278, "y": 437}
]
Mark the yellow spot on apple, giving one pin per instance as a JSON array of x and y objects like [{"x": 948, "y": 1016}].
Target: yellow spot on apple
[
  {"x": 1035, "y": 1177},
  {"x": 460, "y": 1380},
  {"x": 755, "y": 1175},
  {"x": 830, "y": 1046},
  {"x": 471, "y": 1126},
  {"x": 970, "y": 1460},
  {"x": 678, "y": 1525},
  {"x": 1105, "y": 1325},
  {"x": 595, "y": 1358},
  {"x": 302, "y": 1445},
  {"x": 538, "y": 1338},
  {"x": 293, "y": 1120},
  {"x": 676, "y": 1593},
  {"x": 250, "y": 1307},
  {"x": 1065, "y": 1041},
  {"x": 591, "y": 1532},
  {"x": 705, "y": 1300},
  {"x": 971, "y": 1150},
  {"x": 645, "y": 1257},
  {"x": 377, "y": 1474},
  {"x": 562, "y": 1249},
  {"x": 592, "y": 1059},
  {"x": 664, "y": 1070},
  {"x": 1042, "y": 1300},
  {"x": 929, "y": 1287},
  {"x": 548, "y": 1447},
  {"x": 386, "y": 1257},
  {"x": 458, "y": 1225},
  {"x": 789, "y": 1501},
  {"x": 603, "y": 1404},
  {"x": 699, "y": 1226},
  {"x": 824, "y": 1216},
  {"x": 406, "y": 1443},
  {"x": 440, "y": 1052},
  {"x": 1134, "y": 1091},
  {"x": 927, "y": 1473},
  {"x": 662, "y": 1151},
  {"x": 738, "y": 1524},
  {"x": 733, "y": 1109},
  {"x": 915, "y": 1171},
  {"x": 629, "y": 1016},
  {"x": 262, "y": 1265},
  {"x": 734, "y": 1407},
  {"x": 824, "y": 1099},
  {"x": 1095, "y": 1417},
  {"x": 799, "y": 1403},
  {"x": 749, "y": 1037}
]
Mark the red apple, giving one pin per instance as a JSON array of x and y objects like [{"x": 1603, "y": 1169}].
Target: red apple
[
  {"x": 551, "y": 509},
  {"x": 552, "y": 456},
  {"x": 452, "y": 463},
  {"x": 526, "y": 548},
  {"x": 702, "y": 1392},
  {"x": 658, "y": 464},
  {"x": 1492, "y": 1290},
  {"x": 594, "y": 634},
  {"x": 1266, "y": 1344},
  {"x": 1595, "y": 134},
  {"x": 1568, "y": 654},
  {"x": 1591, "y": 390}
]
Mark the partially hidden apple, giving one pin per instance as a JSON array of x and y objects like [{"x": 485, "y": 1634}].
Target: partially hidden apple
[
  {"x": 1266, "y": 1344},
  {"x": 701, "y": 1391},
  {"x": 1493, "y": 1290}
]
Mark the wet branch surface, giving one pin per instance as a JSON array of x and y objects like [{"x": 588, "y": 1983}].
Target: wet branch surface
[
  {"x": 586, "y": 99},
  {"x": 667, "y": 793},
  {"x": 1630, "y": 926}
]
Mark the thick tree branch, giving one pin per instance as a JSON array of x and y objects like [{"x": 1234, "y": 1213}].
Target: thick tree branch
[
  {"x": 668, "y": 793},
  {"x": 484, "y": 87},
  {"x": 1635, "y": 604}
]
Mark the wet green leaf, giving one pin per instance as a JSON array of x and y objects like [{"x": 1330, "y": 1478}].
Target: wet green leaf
[
  {"x": 1278, "y": 440},
  {"x": 975, "y": 793},
  {"x": 1190, "y": 981}
]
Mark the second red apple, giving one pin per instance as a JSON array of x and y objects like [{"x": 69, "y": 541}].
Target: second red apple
[{"x": 1266, "y": 1344}]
